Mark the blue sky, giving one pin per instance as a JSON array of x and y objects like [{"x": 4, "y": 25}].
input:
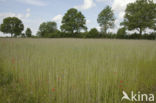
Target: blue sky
[{"x": 34, "y": 12}]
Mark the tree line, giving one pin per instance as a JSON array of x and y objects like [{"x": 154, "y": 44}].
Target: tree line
[{"x": 139, "y": 16}]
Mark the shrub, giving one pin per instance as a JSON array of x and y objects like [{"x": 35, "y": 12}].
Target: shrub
[
  {"x": 93, "y": 33},
  {"x": 121, "y": 33}
]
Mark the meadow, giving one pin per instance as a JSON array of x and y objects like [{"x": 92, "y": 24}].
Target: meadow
[{"x": 78, "y": 70}]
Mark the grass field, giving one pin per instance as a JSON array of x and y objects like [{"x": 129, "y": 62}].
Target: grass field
[{"x": 80, "y": 70}]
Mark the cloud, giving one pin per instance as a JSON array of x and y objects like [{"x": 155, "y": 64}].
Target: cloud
[
  {"x": 3, "y": 15},
  {"x": 57, "y": 18},
  {"x": 108, "y": 1},
  {"x": 27, "y": 15},
  {"x": 10, "y": 14},
  {"x": 18, "y": 15},
  {"x": 98, "y": 28},
  {"x": 86, "y": 5},
  {"x": 88, "y": 21},
  {"x": 119, "y": 6},
  {"x": 33, "y": 2},
  {"x": 28, "y": 10}
]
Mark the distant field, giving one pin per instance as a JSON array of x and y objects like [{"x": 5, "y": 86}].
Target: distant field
[{"x": 81, "y": 70}]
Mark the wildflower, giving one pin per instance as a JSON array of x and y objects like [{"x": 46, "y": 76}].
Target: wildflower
[
  {"x": 13, "y": 60},
  {"x": 53, "y": 89}
]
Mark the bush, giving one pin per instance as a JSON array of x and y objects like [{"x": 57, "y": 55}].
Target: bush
[
  {"x": 54, "y": 34},
  {"x": 93, "y": 33},
  {"x": 121, "y": 33}
]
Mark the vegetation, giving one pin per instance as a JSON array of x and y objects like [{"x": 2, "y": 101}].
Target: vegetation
[
  {"x": 12, "y": 25},
  {"x": 75, "y": 70},
  {"x": 11, "y": 91},
  {"x": 28, "y": 32},
  {"x": 73, "y": 22},
  {"x": 106, "y": 19},
  {"x": 79, "y": 70},
  {"x": 46, "y": 28},
  {"x": 140, "y": 15},
  {"x": 93, "y": 33},
  {"x": 121, "y": 33}
]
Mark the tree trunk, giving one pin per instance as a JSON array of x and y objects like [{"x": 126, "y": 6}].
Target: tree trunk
[
  {"x": 140, "y": 31},
  {"x": 105, "y": 30}
]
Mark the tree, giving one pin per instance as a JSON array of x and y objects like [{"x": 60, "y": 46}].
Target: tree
[
  {"x": 106, "y": 19},
  {"x": 12, "y": 25},
  {"x": 73, "y": 21},
  {"x": 47, "y": 28},
  {"x": 140, "y": 15},
  {"x": 23, "y": 35},
  {"x": 121, "y": 32},
  {"x": 93, "y": 33},
  {"x": 28, "y": 32}
]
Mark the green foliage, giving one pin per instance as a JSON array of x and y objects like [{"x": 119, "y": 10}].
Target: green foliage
[
  {"x": 121, "y": 32},
  {"x": 106, "y": 19},
  {"x": 140, "y": 15},
  {"x": 47, "y": 28},
  {"x": 15, "y": 93},
  {"x": 56, "y": 34},
  {"x": 5, "y": 77},
  {"x": 28, "y": 32},
  {"x": 77, "y": 68},
  {"x": 23, "y": 35},
  {"x": 12, "y": 25},
  {"x": 11, "y": 91},
  {"x": 93, "y": 33},
  {"x": 73, "y": 22}
]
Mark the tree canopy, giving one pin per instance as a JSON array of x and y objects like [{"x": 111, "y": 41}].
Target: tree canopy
[
  {"x": 73, "y": 21},
  {"x": 12, "y": 25},
  {"x": 106, "y": 19},
  {"x": 93, "y": 33},
  {"x": 140, "y": 15},
  {"x": 28, "y": 32},
  {"x": 121, "y": 32},
  {"x": 46, "y": 28}
]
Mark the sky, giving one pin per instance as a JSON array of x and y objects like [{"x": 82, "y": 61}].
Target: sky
[{"x": 34, "y": 12}]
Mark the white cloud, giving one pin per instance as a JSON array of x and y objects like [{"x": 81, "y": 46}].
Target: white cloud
[
  {"x": 27, "y": 15},
  {"x": 98, "y": 28},
  {"x": 33, "y": 2},
  {"x": 86, "y": 5},
  {"x": 18, "y": 15},
  {"x": 3, "y": 15},
  {"x": 57, "y": 18},
  {"x": 28, "y": 10},
  {"x": 119, "y": 6},
  {"x": 10, "y": 14},
  {"x": 88, "y": 21},
  {"x": 108, "y": 1}
]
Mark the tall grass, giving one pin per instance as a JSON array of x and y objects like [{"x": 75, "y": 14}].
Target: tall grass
[{"x": 80, "y": 70}]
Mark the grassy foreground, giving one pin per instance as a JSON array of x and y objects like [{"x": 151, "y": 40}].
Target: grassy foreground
[{"x": 79, "y": 70}]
